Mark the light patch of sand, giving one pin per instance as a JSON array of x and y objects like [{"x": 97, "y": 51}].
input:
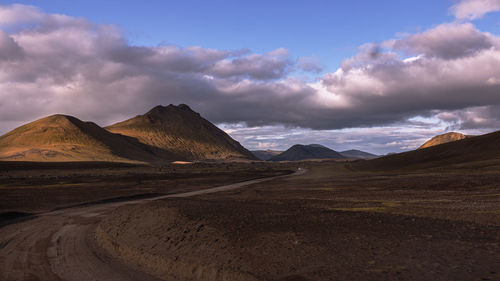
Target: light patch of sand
[{"x": 182, "y": 162}]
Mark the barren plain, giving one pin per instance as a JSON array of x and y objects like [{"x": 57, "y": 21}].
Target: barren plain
[{"x": 334, "y": 222}]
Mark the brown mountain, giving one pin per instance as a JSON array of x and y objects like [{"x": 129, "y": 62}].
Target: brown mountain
[
  {"x": 181, "y": 130},
  {"x": 474, "y": 151},
  {"x": 66, "y": 138},
  {"x": 444, "y": 138},
  {"x": 302, "y": 152}
]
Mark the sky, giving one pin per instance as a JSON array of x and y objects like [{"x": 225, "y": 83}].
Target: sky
[{"x": 380, "y": 76}]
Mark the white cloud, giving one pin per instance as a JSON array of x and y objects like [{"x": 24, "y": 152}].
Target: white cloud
[
  {"x": 17, "y": 13},
  {"x": 473, "y": 9}
]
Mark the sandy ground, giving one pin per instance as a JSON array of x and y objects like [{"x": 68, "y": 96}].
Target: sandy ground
[{"x": 61, "y": 245}]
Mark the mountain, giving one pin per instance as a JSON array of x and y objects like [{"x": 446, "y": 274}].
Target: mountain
[
  {"x": 182, "y": 131},
  {"x": 444, "y": 138},
  {"x": 302, "y": 152},
  {"x": 265, "y": 154},
  {"x": 476, "y": 151},
  {"x": 357, "y": 154},
  {"x": 66, "y": 138}
]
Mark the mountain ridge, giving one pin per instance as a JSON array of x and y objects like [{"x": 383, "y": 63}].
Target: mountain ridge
[{"x": 181, "y": 130}]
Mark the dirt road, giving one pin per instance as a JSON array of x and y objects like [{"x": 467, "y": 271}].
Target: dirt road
[{"x": 58, "y": 245}]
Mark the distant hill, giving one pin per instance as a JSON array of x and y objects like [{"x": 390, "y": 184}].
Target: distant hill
[
  {"x": 444, "y": 138},
  {"x": 265, "y": 154},
  {"x": 302, "y": 152},
  {"x": 66, "y": 138},
  {"x": 477, "y": 151},
  {"x": 358, "y": 154},
  {"x": 182, "y": 131}
]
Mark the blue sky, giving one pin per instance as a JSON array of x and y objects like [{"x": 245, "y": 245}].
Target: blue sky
[{"x": 381, "y": 76}]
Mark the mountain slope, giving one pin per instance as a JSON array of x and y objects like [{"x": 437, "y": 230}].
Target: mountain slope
[
  {"x": 66, "y": 138},
  {"x": 444, "y": 138},
  {"x": 476, "y": 151},
  {"x": 302, "y": 152},
  {"x": 265, "y": 154},
  {"x": 358, "y": 154},
  {"x": 182, "y": 131}
]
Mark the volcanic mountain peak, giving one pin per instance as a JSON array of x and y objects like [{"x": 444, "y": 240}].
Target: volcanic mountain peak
[
  {"x": 301, "y": 152},
  {"x": 181, "y": 130},
  {"x": 444, "y": 138},
  {"x": 161, "y": 110}
]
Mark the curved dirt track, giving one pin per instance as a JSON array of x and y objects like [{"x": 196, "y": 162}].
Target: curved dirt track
[{"x": 59, "y": 245}]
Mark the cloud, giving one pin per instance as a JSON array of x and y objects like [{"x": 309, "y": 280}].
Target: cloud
[
  {"x": 273, "y": 65},
  {"x": 60, "y": 64},
  {"x": 380, "y": 84},
  {"x": 9, "y": 49},
  {"x": 309, "y": 64},
  {"x": 17, "y": 14},
  {"x": 474, "y": 9},
  {"x": 472, "y": 118},
  {"x": 447, "y": 41}
]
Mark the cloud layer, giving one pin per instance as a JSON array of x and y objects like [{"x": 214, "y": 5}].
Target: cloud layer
[{"x": 53, "y": 63}]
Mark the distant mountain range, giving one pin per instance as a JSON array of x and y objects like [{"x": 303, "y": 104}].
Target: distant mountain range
[
  {"x": 163, "y": 134},
  {"x": 311, "y": 151},
  {"x": 266, "y": 154}
]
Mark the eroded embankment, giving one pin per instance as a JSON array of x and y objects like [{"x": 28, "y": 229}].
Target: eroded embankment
[{"x": 175, "y": 249}]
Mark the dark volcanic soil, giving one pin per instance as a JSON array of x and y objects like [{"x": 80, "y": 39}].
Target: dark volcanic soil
[
  {"x": 329, "y": 224},
  {"x": 31, "y": 187}
]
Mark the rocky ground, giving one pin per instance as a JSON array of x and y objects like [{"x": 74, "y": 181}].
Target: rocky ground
[{"x": 329, "y": 224}]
